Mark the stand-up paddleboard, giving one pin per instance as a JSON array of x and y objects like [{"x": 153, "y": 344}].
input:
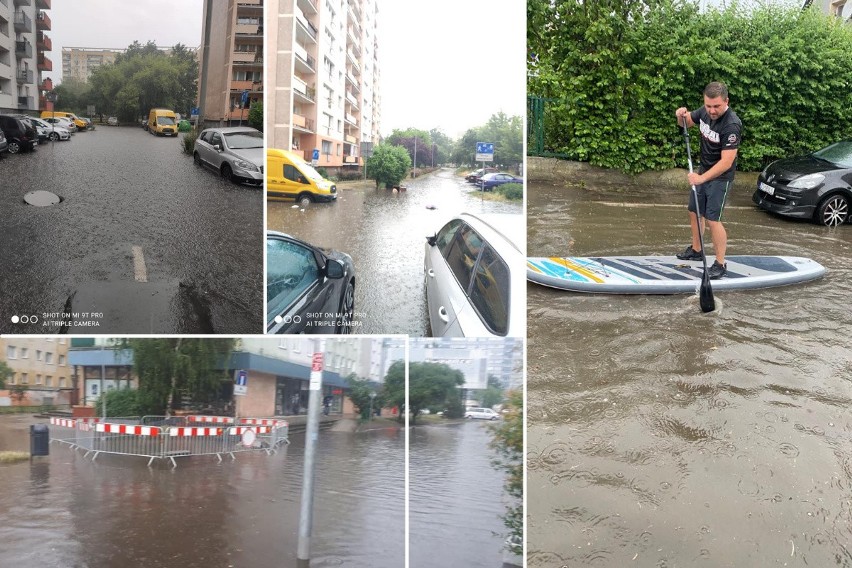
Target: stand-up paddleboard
[{"x": 666, "y": 274}]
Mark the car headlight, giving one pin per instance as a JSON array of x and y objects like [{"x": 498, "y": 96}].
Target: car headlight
[
  {"x": 809, "y": 181},
  {"x": 324, "y": 185},
  {"x": 248, "y": 166}
]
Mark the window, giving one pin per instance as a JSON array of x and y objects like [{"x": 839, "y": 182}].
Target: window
[
  {"x": 48, "y": 358},
  {"x": 62, "y": 382},
  {"x": 462, "y": 255},
  {"x": 490, "y": 291},
  {"x": 291, "y": 173},
  {"x": 38, "y": 355},
  {"x": 10, "y": 352},
  {"x": 38, "y": 379},
  {"x": 48, "y": 381},
  {"x": 337, "y": 149},
  {"x": 24, "y": 379},
  {"x": 25, "y": 353},
  {"x": 62, "y": 360},
  {"x": 326, "y": 147},
  {"x": 291, "y": 270},
  {"x": 13, "y": 378}
]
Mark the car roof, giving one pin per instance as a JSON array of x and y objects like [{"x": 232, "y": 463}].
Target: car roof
[
  {"x": 511, "y": 227},
  {"x": 231, "y": 129}
]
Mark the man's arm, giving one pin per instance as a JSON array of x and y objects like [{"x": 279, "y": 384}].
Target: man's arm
[
  {"x": 683, "y": 114},
  {"x": 723, "y": 165}
]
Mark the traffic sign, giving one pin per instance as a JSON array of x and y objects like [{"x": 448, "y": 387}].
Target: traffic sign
[
  {"x": 194, "y": 111},
  {"x": 484, "y": 151},
  {"x": 240, "y": 383},
  {"x": 316, "y": 362},
  {"x": 244, "y": 98}
]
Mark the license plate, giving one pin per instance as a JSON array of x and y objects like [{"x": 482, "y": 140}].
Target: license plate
[{"x": 766, "y": 188}]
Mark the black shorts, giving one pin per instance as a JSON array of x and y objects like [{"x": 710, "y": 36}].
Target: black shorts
[{"x": 711, "y": 198}]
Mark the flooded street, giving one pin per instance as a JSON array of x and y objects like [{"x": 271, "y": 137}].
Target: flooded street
[
  {"x": 144, "y": 241},
  {"x": 385, "y": 233},
  {"x": 661, "y": 436},
  {"x": 65, "y": 511},
  {"x": 456, "y": 497}
]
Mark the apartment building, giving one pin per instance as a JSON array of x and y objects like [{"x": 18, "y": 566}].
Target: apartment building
[
  {"x": 23, "y": 43},
  {"x": 231, "y": 61},
  {"x": 324, "y": 66},
  {"x": 41, "y": 366},
  {"x": 78, "y": 63}
]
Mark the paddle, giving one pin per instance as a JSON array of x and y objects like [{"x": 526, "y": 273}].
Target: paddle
[{"x": 705, "y": 292}]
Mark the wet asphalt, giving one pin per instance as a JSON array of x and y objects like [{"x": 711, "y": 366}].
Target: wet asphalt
[{"x": 143, "y": 241}]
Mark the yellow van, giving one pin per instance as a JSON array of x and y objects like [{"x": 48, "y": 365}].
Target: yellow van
[
  {"x": 162, "y": 122},
  {"x": 81, "y": 124},
  {"x": 288, "y": 176}
]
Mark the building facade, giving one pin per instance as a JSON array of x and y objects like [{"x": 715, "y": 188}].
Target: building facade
[
  {"x": 324, "y": 66},
  {"x": 231, "y": 61},
  {"x": 78, "y": 63},
  {"x": 39, "y": 365},
  {"x": 23, "y": 64}
]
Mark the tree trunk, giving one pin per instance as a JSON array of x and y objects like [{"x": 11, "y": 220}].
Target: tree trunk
[{"x": 173, "y": 382}]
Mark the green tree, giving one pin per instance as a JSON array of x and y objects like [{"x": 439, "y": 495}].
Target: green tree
[
  {"x": 505, "y": 132},
  {"x": 169, "y": 368},
  {"x": 428, "y": 384},
  {"x": 5, "y": 374},
  {"x": 255, "y": 117},
  {"x": 493, "y": 394},
  {"x": 73, "y": 96},
  {"x": 119, "y": 402},
  {"x": 359, "y": 393},
  {"x": 508, "y": 441},
  {"x": 388, "y": 165},
  {"x": 412, "y": 138}
]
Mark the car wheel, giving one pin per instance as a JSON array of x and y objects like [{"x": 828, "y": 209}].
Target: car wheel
[
  {"x": 833, "y": 211},
  {"x": 347, "y": 309},
  {"x": 14, "y": 147},
  {"x": 227, "y": 172},
  {"x": 54, "y": 136},
  {"x": 305, "y": 200},
  {"x": 196, "y": 158}
]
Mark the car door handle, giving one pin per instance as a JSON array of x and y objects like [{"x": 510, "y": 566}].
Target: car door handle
[
  {"x": 442, "y": 313},
  {"x": 431, "y": 273}
]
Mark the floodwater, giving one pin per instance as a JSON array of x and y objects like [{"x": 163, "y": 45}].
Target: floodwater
[
  {"x": 143, "y": 241},
  {"x": 385, "y": 233},
  {"x": 661, "y": 436},
  {"x": 456, "y": 498},
  {"x": 65, "y": 511}
]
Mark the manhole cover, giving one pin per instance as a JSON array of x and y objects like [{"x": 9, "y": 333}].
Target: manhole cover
[{"x": 42, "y": 198}]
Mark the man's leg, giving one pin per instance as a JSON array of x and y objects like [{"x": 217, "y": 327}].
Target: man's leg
[{"x": 720, "y": 239}]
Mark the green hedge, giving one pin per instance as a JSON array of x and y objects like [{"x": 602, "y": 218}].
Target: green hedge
[
  {"x": 511, "y": 191},
  {"x": 620, "y": 68}
]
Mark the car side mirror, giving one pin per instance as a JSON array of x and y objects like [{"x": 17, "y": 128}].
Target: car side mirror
[
  {"x": 432, "y": 240},
  {"x": 334, "y": 269},
  {"x": 217, "y": 147}
]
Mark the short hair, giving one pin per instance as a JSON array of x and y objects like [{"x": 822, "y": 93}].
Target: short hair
[{"x": 716, "y": 89}]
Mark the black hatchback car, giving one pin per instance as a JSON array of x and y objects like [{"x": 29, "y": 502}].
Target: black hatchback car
[
  {"x": 816, "y": 186},
  {"x": 20, "y": 135},
  {"x": 308, "y": 289}
]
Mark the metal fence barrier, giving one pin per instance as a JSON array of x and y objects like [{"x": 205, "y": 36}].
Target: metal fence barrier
[{"x": 159, "y": 437}]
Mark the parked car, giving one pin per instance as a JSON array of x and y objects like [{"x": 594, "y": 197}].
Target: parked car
[
  {"x": 481, "y": 414},
  {"x": 4, "y": 146},
  {"x": 816, "y": 186},
  {"x": 490, "y": 181},
  {"x": 65, "y": 123},
  {"x": 308, "y": 289},
  {"x": 41, "y": 132},
  {"x": 112, "y": 121},
  {"x": 162, "y": 122},
  {"x": 475, "y": 273},
  {"x": 20, "y": 135},
  {"x": 53, "y": 131},
  {"x": 474, "y": 176},
  {"x": 78, "y": 122},
  {"x": 289, "y": 177},
  {"x": 236, "y": 152},
  {"x": 89, "y": 124}
]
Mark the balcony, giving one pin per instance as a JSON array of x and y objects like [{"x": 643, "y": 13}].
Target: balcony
[
  {"x": 244, "y": 56},
  {"x": 44, "y": 64},
  {"x": 350, "y": 139},
  {"x": 43, "y": 4},
  {"x": 352, "y": 100},
  {"x": 25, "y": 76},
  {"x": 351, "y": 119},
  {"x": 302, "y": 123},
  {"x": 46, "y": 85},
  {"x": 26, "y": 102},
  {"x": 305, "y": 27},
  {"x": 303, "y": 91},
  {"x": 43, "y": 21},
  {"x": 23, "y": 23},
  {"x": 248, "y": 29},
  {"x": 304, "y": 62},
  {"x": 309, "y": 6},
  {"x": 43, "y": 42},
  {"x": 250, "y": 86},
  {"x": 23, "y": 49}
]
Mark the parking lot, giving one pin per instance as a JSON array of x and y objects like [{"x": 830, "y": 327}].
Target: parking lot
[{"x": 143, "y": 241}]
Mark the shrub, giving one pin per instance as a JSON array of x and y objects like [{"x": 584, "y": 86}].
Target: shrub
[
  {"x": 189, "y": 141},
  {"x": 121, "y": 402},
  {"x": 323, "y": 172},
  {"x": 511, "y": 191}
]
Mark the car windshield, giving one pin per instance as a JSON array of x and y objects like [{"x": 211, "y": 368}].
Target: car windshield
[
  {"x": 244, "y": 140},
  {"x": 839, "y": 153},
  {"x": 309, "y": 171},
  {"x": 165, "y": 120}
]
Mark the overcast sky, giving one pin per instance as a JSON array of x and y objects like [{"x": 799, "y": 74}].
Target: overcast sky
[
  {"x": 451, "y": 64},
  {"x": 115, "y": 25}
]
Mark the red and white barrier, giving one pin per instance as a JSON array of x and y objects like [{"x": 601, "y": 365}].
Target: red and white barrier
[
  {"x": 64, "y": 422},
  {"x": 238, "y": 430},
  {"x": 127, "y": 429},
  {"x": 211, "y": 419},
  {"x": 192, "y": 431}
]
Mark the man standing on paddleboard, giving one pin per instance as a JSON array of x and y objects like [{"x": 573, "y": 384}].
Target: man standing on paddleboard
[{"x": 721, "y": 131}]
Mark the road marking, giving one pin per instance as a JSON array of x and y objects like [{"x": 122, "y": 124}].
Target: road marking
[{"x": 139, "y": 270}]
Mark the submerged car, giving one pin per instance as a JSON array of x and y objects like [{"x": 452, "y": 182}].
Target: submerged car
[
  {"x": 481, "y": 414},
  {"x": 816, "y": 186},
  {"x": 308, "y": 289},
  {"x": 475, "y": 274},
  {"x": 236, "y": 152},
  {"x": 490, "y": 181},
  {"x": 475, "y": 175}
]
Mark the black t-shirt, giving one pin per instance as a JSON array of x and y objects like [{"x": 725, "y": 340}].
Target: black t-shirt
[{"x": 724, "y": 133}]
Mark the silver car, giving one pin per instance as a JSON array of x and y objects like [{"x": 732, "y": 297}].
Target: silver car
[
  {"x": 235, "y": 152},
  {"x": 54, "y": 131},
  {"x": 65, "y": 123},
  {"x": 475, "y": 274}
]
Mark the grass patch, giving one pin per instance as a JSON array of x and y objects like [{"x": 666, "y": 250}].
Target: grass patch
[{"x": 13, "y": 457}]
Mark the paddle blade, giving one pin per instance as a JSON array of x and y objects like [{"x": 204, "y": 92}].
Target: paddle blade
[{"x": 705, "y": 295}]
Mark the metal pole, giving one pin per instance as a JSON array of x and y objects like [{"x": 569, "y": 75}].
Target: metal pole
[
  {"x": 103, "y": 394},
  {"x": 415, "y": 157},
  {"x": 306, "y": 514}
]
